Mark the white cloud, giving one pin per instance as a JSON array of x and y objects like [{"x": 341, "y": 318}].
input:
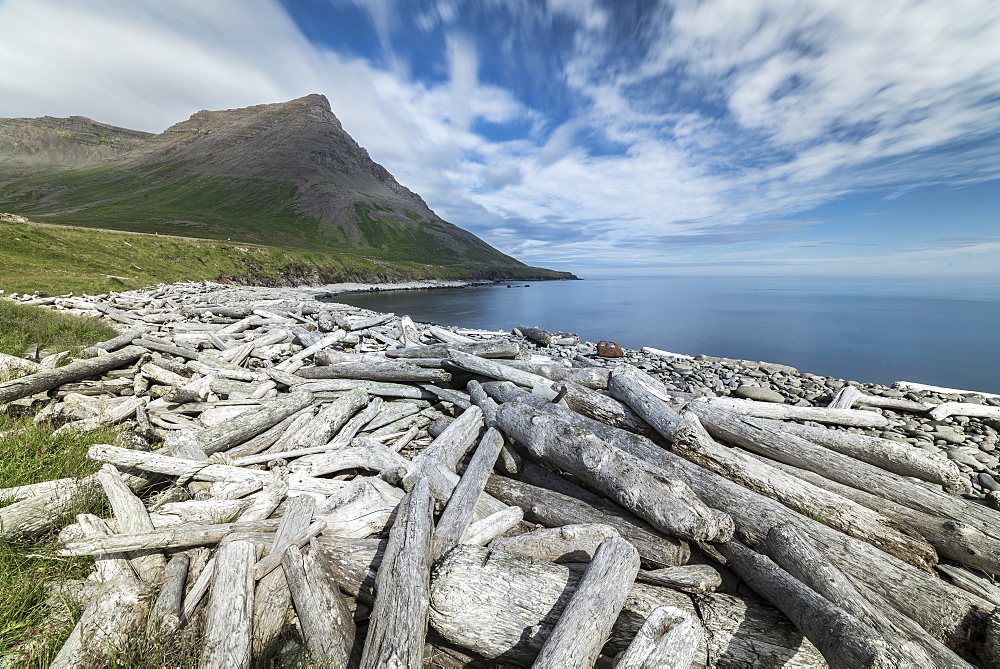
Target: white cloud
[{"x": 716, "y": 113}]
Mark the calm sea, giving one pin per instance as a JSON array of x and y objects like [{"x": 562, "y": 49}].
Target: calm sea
[{"x": 943, "y": 333}]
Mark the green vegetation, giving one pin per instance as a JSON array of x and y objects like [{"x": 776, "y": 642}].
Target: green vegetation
[
  {"x": 31, "y": 454},
  {"x": 24, "y": 326},
  {"x": 66, "y": 259}
]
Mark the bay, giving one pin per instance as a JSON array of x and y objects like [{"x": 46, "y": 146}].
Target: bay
[{"x": 931, "y": 331}]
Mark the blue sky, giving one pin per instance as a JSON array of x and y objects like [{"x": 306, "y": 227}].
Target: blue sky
[{"x": 742, "y": 137}]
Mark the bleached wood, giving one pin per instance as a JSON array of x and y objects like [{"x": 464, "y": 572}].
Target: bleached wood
[
  {"x": 228, "y": 623},
  {"x": 952, "y": 539},
  {"x": 270, "y": 562},
  {"x": 793, "y": 551},
  {"x": 565, "y": 442},
  {"x": 489, "y": 528},
  {"x": 569, "y": 543},
  {"x": 849, "y": 396},
  {"x": 461, "y": 505},
  {"x": 411, "y": 335},
  {"x": 946, "y": 612},
  {"x": 971, "y": 582},
  {"x": 942, "y": 411},
  {"x": 114, "y": 343},
  {"x": 693, "y": 578},
  {"x": 47, "y": 379},
  {"x": 108, "y": 566},
  {"x": 889, "y": 455},
  {"x": 923, "y": 387},
  {"x": 113, "y": 617},
  {"x": 12, "y": 367},
  {"x": 328, "y": 629},
  {"x": 173, "y": 537},
  {"x": 398, "y": 621},
  {"x": 595, "y": 378},
  {"x": 382, "y": 389},
  {"x": 166, "y": 613},
  {"x": 327, "y": 422},
  {"x": 368, "y": 454},
  {"x": 836, "y": 511},
  {"x": 553, "y": 509},
  {"x": 759, "y": 437},
  {"x": 202, "y": 471},
  {"x": 272, "y": 601},
  {"x": 132, "y": 518},
  {"x": 850, "y": 417},
  {"x": 40, "y": 489},
  {"x": 252, "y": 423},
  {"x": 494, "y": 348},
  {"x": 844, "y": 641},
  {"x": 264, "y": 503},
  {"x": 644, "y": 395},
  {"x": 386, "y": 372},
  {"x": 669, "y": 639},
  {"x": 586, "y": 622},
  {"x": 503, "y": 606},
  {"x": 32, "y": 517}
]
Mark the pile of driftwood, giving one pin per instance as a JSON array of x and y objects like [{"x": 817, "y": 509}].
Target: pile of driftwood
[{"x": 331, "y": 480}]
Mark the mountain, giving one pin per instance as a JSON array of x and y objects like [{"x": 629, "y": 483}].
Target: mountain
[{"x": 284, "y": 174}]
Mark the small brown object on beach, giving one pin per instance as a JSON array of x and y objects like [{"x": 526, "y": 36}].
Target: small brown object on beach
[{"x": 609, "y": 349}]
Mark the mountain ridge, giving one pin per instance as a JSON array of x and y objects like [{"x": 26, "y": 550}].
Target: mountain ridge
[{"x": 284, "y": 174}]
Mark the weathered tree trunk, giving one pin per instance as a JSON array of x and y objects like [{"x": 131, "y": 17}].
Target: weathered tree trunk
[
  {"x": 669, "y": 639},
  {"x": 34, "y": 516},
  {"x": 387, "y": 371},
  {"x": 666, "y": 503},
  {"x": 836, "y": 511},
  {"x": 462, "y": 504},
  {"x": 849, "y": 395},
  {"x": 759, "y": 437},
  {"x": 115, "y": 615},
  {"x": 503, "y": 606},
  {"x": 569, "y": 543},
  {"x": 898, "y": 458},
  {"x": 114, "y": 343},
  {"x": 850, "y": 417},
  {"x": 132, "y": 518},
  {"x": 228, "y": 623},
  {"x": 250, "y": 424},
  {"x": 493, "y": 348},
  {"x": 792, "y": 550},
  {"x": 953, "y": 540},
  {"x": 844, "y": 641},
  {"x": 398, "y": 622},
  {"x": 166, "y": 614},
  {"x": 47, "y": 379},
  {"x": 327, "y": 626},
  {"x": 324, "y": 425},
  {"x": 595, "y": 378},
  {"x": 489, "y": 528},
  {"x": 942, "y": 411},
  {"x": 554, "y": 510},
  {"x": 172, "y": 537},
  {"x": 272, "y": 601},
  {"x": 693, "y": 578},
  {"x": 586, "y": 622}
]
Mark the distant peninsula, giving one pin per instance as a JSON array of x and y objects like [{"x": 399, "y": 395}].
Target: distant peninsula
[{"x": 283, "y": 177}]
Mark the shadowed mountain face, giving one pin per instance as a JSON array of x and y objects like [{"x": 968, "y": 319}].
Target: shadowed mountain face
[{"x": 284, "y": 174}]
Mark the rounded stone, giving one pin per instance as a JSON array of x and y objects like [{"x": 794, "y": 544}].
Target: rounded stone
[
  {"x": 759, "y": 394},
  {"x": 988, "y": 482}
]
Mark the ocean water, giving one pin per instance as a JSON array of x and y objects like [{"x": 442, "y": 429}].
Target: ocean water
[{"x": 944, "y": 333}]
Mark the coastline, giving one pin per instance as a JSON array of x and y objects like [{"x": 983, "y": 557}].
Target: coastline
[{"x": 972, "y": 443}]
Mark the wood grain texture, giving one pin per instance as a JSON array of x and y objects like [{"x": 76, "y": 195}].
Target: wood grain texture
[
  {"x": 585, "y": 624},
  {"x": 398, "y": 621}
]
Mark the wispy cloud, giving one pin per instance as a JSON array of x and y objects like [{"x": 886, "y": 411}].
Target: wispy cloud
[{"x": 572, "y": 132}]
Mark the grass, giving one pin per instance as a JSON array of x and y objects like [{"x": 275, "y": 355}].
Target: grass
[
  {"x": 24, "y": 326},
  {"x": 31, "y": 454},
  {"x": 70, "y": 259}
]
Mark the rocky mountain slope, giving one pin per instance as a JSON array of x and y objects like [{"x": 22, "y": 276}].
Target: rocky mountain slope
[{"x": 284, "y": 174}]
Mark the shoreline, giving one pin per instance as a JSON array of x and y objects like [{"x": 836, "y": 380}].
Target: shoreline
[{"x": 972, "y": 443}]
